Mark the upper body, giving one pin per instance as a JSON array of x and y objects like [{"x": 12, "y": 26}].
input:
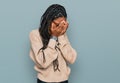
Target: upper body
[
  {"x": 45, "y": 69},
  {"x": 51, "y": 50}
]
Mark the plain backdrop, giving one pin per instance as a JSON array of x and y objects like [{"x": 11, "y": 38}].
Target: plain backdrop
[{"x": 94, "y": 31}]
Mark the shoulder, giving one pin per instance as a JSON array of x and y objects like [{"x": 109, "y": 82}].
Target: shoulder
[{"x": 34, "y": 33}]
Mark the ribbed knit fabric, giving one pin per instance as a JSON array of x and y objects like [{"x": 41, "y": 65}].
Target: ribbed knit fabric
[{"x": 64, "y": 53}]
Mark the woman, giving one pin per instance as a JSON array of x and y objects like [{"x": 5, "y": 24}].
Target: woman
[{"x": 50, "y": 48}]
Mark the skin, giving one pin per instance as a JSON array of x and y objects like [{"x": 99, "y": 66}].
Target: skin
[{"x": 58, "y": 26}]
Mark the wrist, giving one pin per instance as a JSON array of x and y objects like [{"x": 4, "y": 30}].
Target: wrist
[{"x": 54, "y": 37}]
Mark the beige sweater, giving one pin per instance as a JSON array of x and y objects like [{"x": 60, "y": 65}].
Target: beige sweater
[{"x": 45, "y": 69}]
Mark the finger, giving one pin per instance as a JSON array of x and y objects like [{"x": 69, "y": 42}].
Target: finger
[
  {"x": 64, "y": 30},
  {"x": 52, "y": 26},
  {"x": 66, "y": 25},
  {"x": 60, "y": 27},
  {"x": 61, "y": 24},
  {"x": 52, "y": 29}
]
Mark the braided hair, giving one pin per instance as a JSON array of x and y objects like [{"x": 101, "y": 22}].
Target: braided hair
[{"x": 53, "y": 12}]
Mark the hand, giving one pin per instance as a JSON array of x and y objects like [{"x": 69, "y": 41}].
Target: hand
[
  {"x": 64, "y": 28},
  {"x": 60, "y": 29}
]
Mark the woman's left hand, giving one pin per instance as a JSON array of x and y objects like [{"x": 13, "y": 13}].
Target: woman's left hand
[{"x": 64, "y": 27}]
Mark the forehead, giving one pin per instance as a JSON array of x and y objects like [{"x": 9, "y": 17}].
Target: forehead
[{"x": 58, "y": 20}]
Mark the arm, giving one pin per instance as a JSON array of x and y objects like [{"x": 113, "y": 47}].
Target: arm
[
  {"x": 68, "y": 52},
  {"x": 50, "y": 53}
]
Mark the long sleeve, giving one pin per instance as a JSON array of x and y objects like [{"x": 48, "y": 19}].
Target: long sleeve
[
  {"x": 49, "y": 54},
  {"x": 68, "y": 52}
]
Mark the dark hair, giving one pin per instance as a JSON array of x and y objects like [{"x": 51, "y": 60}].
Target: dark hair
[{"x": 53, "y": 12}]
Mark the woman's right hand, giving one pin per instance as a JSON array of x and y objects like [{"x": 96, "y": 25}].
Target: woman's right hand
[{"x": 58, "y": 30}]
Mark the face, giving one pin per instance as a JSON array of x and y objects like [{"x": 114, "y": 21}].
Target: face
[{"x": 57, "y": 21}]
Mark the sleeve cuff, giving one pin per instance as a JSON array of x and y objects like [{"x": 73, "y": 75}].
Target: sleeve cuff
[
  {"x": 62, "y": 40},
  {"x": 52, "y": 43}
]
